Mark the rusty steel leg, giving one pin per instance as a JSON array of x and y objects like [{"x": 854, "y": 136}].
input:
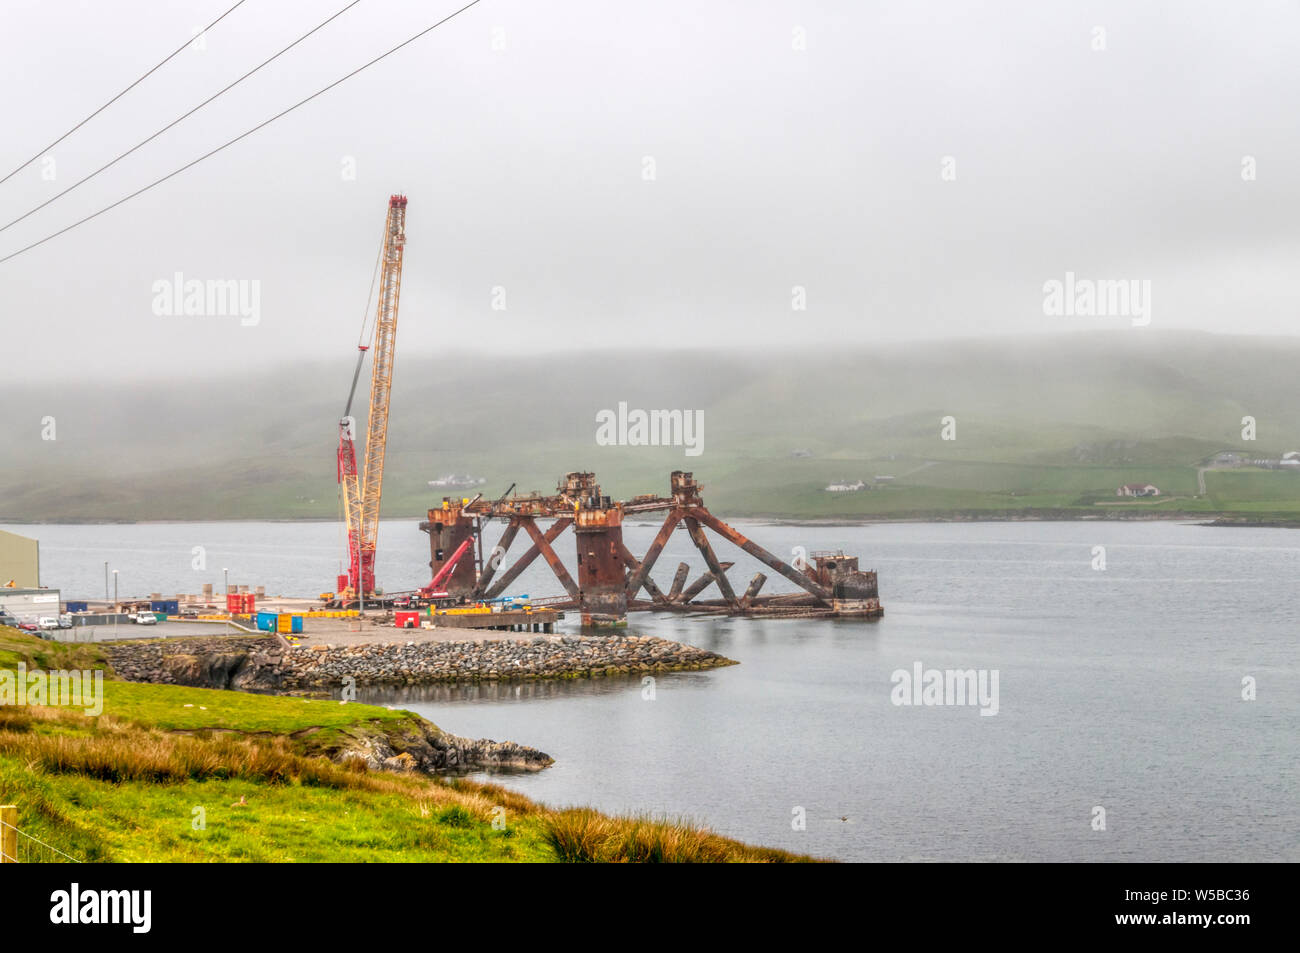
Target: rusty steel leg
[
  {"x": 496, "y": 557},
  {"x": 602, "y": 566},
  {"x": 655, "y": 592},
  {"x": 447, "y": 530},
  {"x": 761, "y": 554},
  {"x": 702, "y": 544},
  {"x": 699, "y": 585},
  {"x": 755, "y": 584},
  {"x": 543, "y": 546},
  {"x": 641, "y": 573},
  {"x": 679, "y": 580},
  {"x": 526, "y": 560}
]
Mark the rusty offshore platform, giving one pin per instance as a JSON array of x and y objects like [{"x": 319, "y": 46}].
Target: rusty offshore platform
[{"x": 611, "y": 578}]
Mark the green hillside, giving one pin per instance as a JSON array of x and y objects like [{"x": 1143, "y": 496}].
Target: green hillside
[{"x": 1053, "y": 422}]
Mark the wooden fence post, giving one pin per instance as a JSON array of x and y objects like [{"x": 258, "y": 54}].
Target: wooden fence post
[{"x": 8, "y": 834}]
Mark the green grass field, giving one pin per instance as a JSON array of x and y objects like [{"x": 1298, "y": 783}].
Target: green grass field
[
  {"x": 1039, "y": 424},
  {"x": 175, "y": 774}
]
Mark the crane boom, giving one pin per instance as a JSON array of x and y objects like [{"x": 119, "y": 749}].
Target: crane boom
[{"x": 363, "y": 490}]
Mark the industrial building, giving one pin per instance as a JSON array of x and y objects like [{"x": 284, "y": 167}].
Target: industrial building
[
  {"x": 29, "y": 604},
  {"x": 20, "y": 561}
]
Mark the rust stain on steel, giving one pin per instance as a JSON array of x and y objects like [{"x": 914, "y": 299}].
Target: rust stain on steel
[
  {"x": 448, "y": 527},
  {"x": 511, "y": 574},
  {"x": 634, "y": 567},
  {"x": 762, "y": 555},
  {"x": 543, "y": 545},
  {"x": 699, "y": 585},
  {"x": 679, "y": 580},
  {"x": 711, "y": 560},
  {"x": 610, "y": 577},
  {"x": 602, "y": 567},
  {"x": 642, "y": 572},
  {"x": 493, "y": 562},
  {"x": 755, "y": 584}
]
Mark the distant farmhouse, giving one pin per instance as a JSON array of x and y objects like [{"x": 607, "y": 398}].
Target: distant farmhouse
[
  {"x": 845, "y": 487},
  {"x": 452, "y": 480},
  {"x": 1138, "y": 489},
  {"x": 1289, "y": 461}
]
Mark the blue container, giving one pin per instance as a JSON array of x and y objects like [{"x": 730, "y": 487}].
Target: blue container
[
  {"x": 169, "y": 606},
  {"x": 266, "y": 621},
  {"x": 296, "y": 624},
  {"x": 77, "y": 607}
]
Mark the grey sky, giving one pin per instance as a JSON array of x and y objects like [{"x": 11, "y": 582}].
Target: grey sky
[{"x": 775, "y": 167}]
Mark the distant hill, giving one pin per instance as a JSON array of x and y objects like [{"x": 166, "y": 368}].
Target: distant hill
[{"x": 1050, "y": 421}]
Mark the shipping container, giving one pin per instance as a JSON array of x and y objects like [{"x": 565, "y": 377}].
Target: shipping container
[
  {"x": 266, "y": 621},
  {"x": 407, "y": 620},
  {"x": 165, "y": 606},
  {"x": 78, "y": 607}
]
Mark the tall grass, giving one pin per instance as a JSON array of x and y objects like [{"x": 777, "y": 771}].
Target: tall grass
[
  {"x": 50, "y": 742},
  {"x": 582, "y": 835}
]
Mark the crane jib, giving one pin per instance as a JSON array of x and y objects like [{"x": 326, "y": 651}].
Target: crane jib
[{"x": 363, "y": 487}]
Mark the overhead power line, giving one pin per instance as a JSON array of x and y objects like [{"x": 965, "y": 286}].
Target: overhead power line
[
  {"x": 242, "y": 135},
  {"x": 160, "y": 65},
  {"x": 178, "y": 120}
]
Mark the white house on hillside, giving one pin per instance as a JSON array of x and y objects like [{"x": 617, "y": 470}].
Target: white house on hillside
[
  {"x": 842, "y": 487},
  {"x": 1138, "y": 489}
]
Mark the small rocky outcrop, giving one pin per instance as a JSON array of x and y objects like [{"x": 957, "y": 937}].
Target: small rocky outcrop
[{"x": 418, "y": 745}]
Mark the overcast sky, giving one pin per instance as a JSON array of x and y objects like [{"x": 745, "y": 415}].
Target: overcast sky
[{"x": 793, "y": 144}]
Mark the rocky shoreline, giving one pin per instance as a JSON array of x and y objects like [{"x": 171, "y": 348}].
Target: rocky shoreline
[
  {"x": 418, "y": 745},
  {"x": 260, "y": 663},
  {"x": 266, "y": 664}
]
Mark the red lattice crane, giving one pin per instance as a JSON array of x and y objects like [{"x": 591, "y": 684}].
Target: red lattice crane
[{"x": 362, "y": 489}]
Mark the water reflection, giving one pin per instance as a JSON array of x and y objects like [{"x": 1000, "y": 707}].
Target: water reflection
[{"x": 523, "y": 691}]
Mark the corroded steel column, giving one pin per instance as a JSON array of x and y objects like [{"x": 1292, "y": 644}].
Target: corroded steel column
[
  {"x": 679, "y": 580},
  {"x": 448, "y": 527},
  {"x": 602, "y": 567},
  {"x": 751, "y": 593}
]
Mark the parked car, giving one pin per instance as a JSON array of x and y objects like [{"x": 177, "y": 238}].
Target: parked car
[
  {"x": 65, "y": 620},
  {"x": 47, "y": 622},
  {"x": 145, "y": 618},
  {"x": 7, "y": 619}
]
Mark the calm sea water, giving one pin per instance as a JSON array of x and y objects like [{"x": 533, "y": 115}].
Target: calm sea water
[{"x": 1118, "y": 688}]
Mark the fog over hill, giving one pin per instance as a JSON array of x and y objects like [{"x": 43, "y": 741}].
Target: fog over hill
[{"x": 262, "y": 444}]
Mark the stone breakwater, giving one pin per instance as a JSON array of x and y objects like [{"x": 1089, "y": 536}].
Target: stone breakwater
[
  {"x": 259, "y": 663},
  {"x": 250, "y": 663}
]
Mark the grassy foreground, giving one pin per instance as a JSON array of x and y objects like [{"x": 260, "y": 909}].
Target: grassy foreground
[{"x": 176, "y": 774}]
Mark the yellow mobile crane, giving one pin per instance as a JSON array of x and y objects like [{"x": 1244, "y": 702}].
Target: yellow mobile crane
[{"x": 362, "y": 492}]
